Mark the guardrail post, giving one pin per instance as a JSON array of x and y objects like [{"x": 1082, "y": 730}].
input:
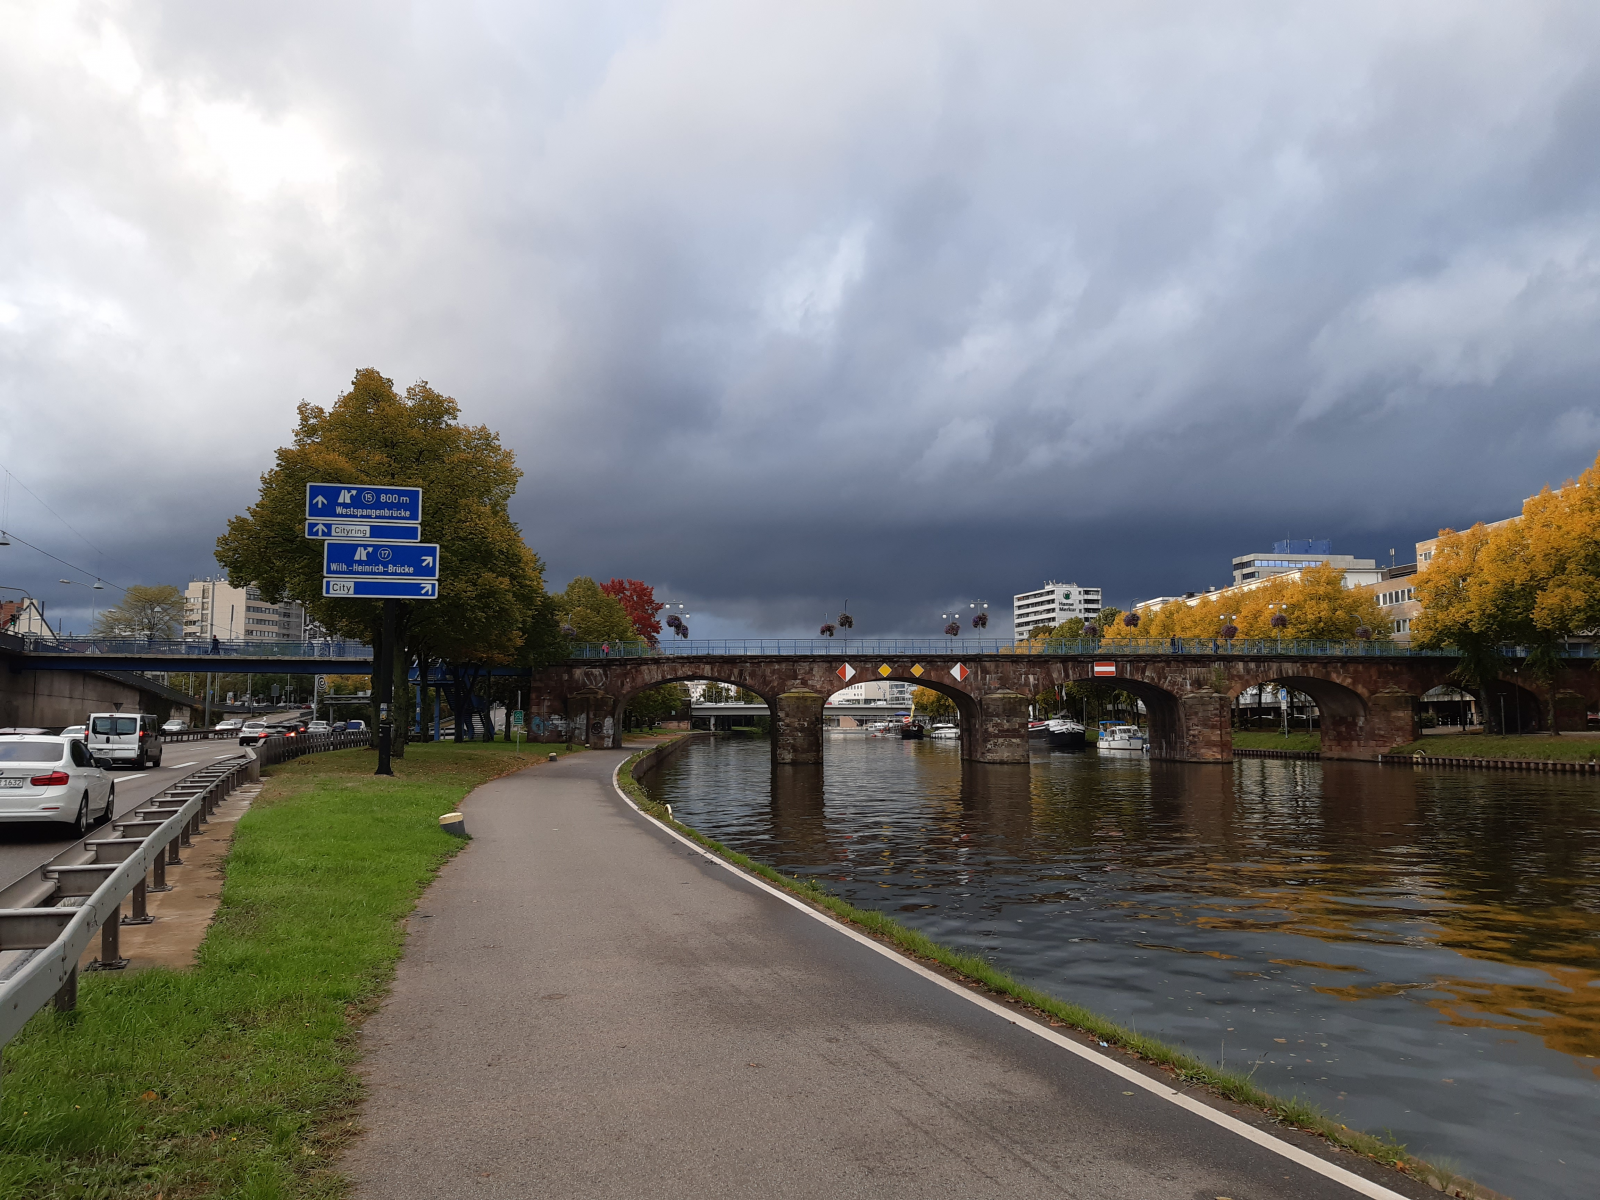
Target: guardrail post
[
  {"x": 66, "y": 997},
  {"x": 172, "y": 851},
  {"x": 141, "y": 915},
  {"x": 110, "y": 944},
  {"x": 158, "y": 874}
]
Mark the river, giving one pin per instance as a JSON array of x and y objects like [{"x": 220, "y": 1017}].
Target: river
[{"x": 1415, "y": 950}]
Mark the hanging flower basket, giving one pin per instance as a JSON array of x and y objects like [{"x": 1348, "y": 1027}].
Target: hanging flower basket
[
  {"x": 981, "y": 621},
  {"x": 1279, "y": 621},
  {"x": 1229, "y": 632},
  {"x": 1131, "y": 620},
  {"x": 1364, "y": 634},
  {"x": 846, "y": 621},
  {"x": 1091, "y": 631},
  {"x": 568, "y": 631},
  {"x": 827, "y": 631},
  {"x": 953, "y": 629}
]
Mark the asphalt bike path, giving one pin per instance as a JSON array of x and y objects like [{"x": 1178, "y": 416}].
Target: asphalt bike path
[
  {"x": 589, "y": 1007},
  {"x": 25, "y": 848}
]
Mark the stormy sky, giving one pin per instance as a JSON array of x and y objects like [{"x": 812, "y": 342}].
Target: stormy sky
[{"x": 787, "y": 304}]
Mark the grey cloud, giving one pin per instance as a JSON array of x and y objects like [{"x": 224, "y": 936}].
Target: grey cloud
[{"x": 898, "y": 302}]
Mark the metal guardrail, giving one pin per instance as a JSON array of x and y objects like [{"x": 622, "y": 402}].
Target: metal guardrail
[
  {"x": 199, "y": 735},
  {"x": 89, "y": 895},
  {"x": 88, "y": 884},
  {"x": 329, "y": 648},
  {"x": 282, "y": 749},
  {"x": 957, "y": 647}
]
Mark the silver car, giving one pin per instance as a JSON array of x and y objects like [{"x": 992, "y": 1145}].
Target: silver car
[{"x": 53, "y": 779}]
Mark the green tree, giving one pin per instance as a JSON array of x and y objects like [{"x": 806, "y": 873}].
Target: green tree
[
  {"x": 933, "y": 705},
  {"x": 492, "y": 607},
  {"x": 588, "y": 614},
  {"x": 155, "y": 611},
  {"x": 654, "y": 705},
  {"x": 715, "y": 693}
]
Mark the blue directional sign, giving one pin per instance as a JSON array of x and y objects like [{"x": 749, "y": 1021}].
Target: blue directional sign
[
  {"x": 348, "y": 530},
  {"x": 359, "y": 502},
  {"x": 380, "y": 560},
  {"x": 381, "y": 589}
]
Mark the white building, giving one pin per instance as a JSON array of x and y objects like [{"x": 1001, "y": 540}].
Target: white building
[
  {"x": 1294, "y": 556},
  {"x": 1051, "y": 605},
  {"x": 892, "y": 693},
  {"x": 215, "y": 608}
]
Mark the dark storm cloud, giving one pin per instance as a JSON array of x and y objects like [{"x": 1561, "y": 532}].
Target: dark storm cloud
[{"x": 905, "y": 304}]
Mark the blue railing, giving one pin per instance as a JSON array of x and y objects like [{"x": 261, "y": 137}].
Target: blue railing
[
  {"x": 847, "y": 648},
  {"x": 330, "y": 648}
]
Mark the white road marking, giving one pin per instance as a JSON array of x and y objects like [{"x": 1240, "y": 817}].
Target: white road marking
[
  {"x": 1328, "y": 1170},
  {"x": 140, "y": 775},
  {"x": 175, "y": 766}
]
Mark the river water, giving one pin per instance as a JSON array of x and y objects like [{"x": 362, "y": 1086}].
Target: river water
[{"x": 1415, "y": 950}]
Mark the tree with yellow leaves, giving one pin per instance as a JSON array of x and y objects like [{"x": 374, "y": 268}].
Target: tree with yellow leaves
[{"x": 1315, "y": 605}]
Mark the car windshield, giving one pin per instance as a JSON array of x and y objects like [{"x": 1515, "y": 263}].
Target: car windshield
[
  {"x": 32, "y": 752},
  {"x": 116, "y": 725}
]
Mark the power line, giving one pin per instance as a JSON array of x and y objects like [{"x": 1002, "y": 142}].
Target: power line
[
  {"x": 65, "y": 563},
  {"x": 12, "y": 478}
]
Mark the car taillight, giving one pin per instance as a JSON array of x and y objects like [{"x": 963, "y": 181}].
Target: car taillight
[
  {"x": 54, "y": 779},
  {"x": 141, "y": 735}
]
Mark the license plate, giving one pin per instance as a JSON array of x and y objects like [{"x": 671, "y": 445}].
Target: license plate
[{"x": 5, "y": 783}]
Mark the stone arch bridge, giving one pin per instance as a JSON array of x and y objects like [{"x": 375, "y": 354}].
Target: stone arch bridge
[{"x": 1368, "y": 700}]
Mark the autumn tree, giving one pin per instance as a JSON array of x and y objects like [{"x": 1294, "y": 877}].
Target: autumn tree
[
  {"x": 155, "y": 611},
  {"x": 638, "y": 600},
  {"x": 933, "y": 705},
  {"x": 491, "y": 608},
  {"x": 589, "y": 614}
]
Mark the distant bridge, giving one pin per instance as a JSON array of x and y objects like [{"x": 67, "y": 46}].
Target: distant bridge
[{"x": 1368, "y": 693}]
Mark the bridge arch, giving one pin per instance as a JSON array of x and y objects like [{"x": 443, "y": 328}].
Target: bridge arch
[
  {"x": 967, "y": 707},
  {"x": 1343, "y": 712},
  {"x": 1175, "y": 729}
]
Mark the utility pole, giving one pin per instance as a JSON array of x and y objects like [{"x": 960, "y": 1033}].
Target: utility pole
[{"x": 383, "y": 671}]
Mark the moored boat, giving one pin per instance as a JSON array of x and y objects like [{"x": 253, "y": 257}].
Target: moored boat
[
  {"x": 1120, "y": 737},
  {"x": 945, "y": 732},
  {"x": 1059, "y": 733}
]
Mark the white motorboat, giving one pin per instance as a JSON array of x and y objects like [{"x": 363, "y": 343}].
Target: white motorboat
[
  {"x": 1120, "y": 737},
  {"x": 1061, "y": 733},
  {"x": 946, "y": 732}
]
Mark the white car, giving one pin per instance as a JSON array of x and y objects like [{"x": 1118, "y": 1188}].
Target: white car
[
  {"x": 230, "y": 723},
  {"x": 81, "y": 732},
  {"x": 319, "y": 727},
  {"x": 175, "y": 725},
  {"x": 53, "y": 779}
]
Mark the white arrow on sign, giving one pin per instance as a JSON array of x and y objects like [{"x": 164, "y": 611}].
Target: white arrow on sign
[
  {"x": 320, "y": 502},
  {"x": 320, "y": 528},
  {"x": 427, "y": 560},
  {"x": 427, "y": 589}
]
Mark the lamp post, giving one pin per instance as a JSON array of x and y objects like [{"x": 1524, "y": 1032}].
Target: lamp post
[{"x": 96, "y": 586}]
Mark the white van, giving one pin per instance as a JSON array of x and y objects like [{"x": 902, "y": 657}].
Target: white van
[{"x": 132, "y": 738}]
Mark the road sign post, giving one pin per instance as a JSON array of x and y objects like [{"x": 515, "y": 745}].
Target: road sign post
[{"x": 373, "y": 549}]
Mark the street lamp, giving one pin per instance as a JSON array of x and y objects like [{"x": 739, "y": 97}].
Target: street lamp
[
  {"x": 677, "y": 619},
  {"x": 97, "y": 586}
]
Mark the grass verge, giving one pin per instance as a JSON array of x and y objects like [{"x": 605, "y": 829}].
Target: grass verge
[
  {"x": 1184, "y": 1066},
  {"x": 233, "y": 1078},
  {"x": 1535, "y": 747},
  {"x": 1260, "y": 740}
]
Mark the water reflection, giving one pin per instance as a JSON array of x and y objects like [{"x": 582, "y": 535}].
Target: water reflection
[{"x": 1418, "y": 951}]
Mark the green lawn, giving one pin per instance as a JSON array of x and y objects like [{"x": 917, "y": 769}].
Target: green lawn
[
  {"x": 1537, "y": 746},
  {"x": 1261, "y": 740},
  {"x": 233, "y": 1078}
]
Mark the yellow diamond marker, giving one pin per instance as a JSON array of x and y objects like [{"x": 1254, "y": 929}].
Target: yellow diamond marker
[
  {"x": 886, "y": 670},
  {"x": 917, "y": 670}
]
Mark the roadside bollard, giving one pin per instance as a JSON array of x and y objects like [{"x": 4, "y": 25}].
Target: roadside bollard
[
  {"x": 553, "y": 756},
  {"x": 454, "y": 823}
]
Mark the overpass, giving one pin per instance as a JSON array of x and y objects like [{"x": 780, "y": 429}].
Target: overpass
[{"x": 1367, "y": 692}]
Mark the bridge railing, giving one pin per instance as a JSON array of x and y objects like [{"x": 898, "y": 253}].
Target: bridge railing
[
  {"x": 329, "y": 648},
  {"x": 949, "y": 647}
]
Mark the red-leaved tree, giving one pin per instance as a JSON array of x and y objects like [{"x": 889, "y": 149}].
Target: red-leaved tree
[{"x": 638, "y": 600}]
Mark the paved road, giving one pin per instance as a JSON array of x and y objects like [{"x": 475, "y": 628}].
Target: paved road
[
  {"x": 24, "y": 848},
  {"x": 588, "y": 1008}
]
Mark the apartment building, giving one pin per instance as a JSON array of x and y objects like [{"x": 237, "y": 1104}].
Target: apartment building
[
  {"x": 891, "y": 692},
  {"x": 1051, "y": 605},
  {"x": 215, "y": 608}
]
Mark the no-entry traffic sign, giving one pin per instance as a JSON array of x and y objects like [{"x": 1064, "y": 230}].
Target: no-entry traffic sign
[{"x": 1105, "y": 668}]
